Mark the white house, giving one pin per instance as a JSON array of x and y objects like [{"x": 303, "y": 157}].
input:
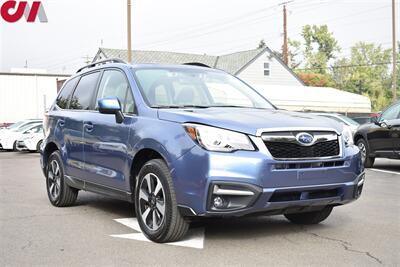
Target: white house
[{"x": 257, "y": 66}]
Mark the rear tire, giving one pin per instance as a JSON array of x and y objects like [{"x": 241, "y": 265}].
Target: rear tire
[
  {"x": 367, "y": 160},
  {"x": 155, "y": 204},
  {"x": 15, "y": 147},
  {"x": 60, "y": 194},
  {"x": 313, "y": 217}
]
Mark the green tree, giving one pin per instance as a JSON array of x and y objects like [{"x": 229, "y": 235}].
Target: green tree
[
  {"x": 295, "y": 52},
  {"x": 261, "y": 44},
  {"x": 318, "y": 47},
  {"x": 366, "y": 72},
  {"x": 310, "y": 56}
]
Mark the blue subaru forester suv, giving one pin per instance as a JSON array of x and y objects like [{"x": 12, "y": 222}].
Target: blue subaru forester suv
[{"x": 186, "y": 141}]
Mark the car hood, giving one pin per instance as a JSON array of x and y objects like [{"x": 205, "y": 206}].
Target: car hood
[
  {"x": 10, "y": 134},
  {"x": 247, "y": 120}
]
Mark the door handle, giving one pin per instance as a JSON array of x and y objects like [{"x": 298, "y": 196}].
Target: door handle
[
  {"x": 61, "y": 123},
  {"x": 88, "y": 126}
]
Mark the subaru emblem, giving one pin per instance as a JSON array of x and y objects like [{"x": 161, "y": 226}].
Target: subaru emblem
[{"x": 305, "y": 139}]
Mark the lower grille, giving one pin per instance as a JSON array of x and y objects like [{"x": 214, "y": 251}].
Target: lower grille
[
  {"x": 306, "y": 195},
  {"x": 307, "y": 165},
  {"x": 286, "y": 150}
]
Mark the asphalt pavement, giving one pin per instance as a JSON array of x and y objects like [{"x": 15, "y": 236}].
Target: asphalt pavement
[{"x": 34, "y": 233}]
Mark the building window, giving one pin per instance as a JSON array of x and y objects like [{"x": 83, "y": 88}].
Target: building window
[{"x": 266, "y": 69}]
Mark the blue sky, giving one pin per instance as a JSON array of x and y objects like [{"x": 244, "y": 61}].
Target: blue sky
[{"x": 77, "y": 28}]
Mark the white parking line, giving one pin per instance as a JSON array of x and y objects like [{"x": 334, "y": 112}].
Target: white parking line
[
  {"x": 378, "y": 170},
  {"x": 193, "y": 239}
]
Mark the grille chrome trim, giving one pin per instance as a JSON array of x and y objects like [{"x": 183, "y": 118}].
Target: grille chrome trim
[
  {"x": 259, "y": 141},
  {"x": 288, "y": 137},
  {"x": 259, "y": 132}
]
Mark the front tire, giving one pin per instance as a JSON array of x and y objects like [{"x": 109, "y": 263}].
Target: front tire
[
  {"x": 313, "y": 217},
  {"x": 38, "y": 146},
  {"x": 155, "y": 204},
  {"x": 59, "y": 193},
  {"x": 366, "y": 159}
]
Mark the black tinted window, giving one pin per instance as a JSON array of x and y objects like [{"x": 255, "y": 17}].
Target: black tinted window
[
  {"x": 65, "y": 94},
  {"x": 84, "y": 92}
]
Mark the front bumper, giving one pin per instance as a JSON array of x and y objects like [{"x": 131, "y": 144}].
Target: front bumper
[{"x": 309, "y": 185}]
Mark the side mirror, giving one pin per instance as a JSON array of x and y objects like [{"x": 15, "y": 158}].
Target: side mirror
[
  {"x": 111, "y": 106},
  {"x": 375, "y": 120}
]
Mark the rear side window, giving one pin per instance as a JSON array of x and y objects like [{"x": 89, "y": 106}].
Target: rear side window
[
  {"x": 65, "y": 94},
  {"x": 114, "y": 84},
  {"x": 84, "y": 91}
]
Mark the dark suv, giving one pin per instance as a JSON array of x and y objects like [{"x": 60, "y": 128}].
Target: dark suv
[
  {"x": 381, "y": 138},
  {"x": 187, "y": 141}
]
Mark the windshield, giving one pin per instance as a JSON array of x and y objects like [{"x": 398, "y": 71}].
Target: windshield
[
  {"x": 26, "y": 127},
  {"x": 348, "y": 120},
  {"x": 179, "y": 88},
  {"x": 15, "y": 125}
]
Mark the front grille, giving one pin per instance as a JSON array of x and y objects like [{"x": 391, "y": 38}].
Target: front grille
[{"x": 285, "y": 150}]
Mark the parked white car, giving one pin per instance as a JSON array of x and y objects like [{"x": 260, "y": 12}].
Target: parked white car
[
  {"x": 18, "y": 125},
  {"x": 8, "y": 139},
  {"x": 31, "y": 140},
  {"x": 352, "y": 124}
]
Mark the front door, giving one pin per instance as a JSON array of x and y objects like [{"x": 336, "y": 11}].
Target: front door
[
  {"x": 382, "y": 137},
  {"x": 105, "y": 140}
]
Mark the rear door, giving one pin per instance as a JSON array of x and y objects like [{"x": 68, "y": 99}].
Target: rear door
[
  {"x": 105, "y": 140},
  {"x": 79, "y": 109}
]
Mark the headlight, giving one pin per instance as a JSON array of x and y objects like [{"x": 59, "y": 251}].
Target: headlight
[
  {"x": 216, "y": 139},
  {"x": 347, "y": 136}
]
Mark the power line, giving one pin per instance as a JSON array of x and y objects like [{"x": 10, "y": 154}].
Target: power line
[{"x": 349, "y": 66}]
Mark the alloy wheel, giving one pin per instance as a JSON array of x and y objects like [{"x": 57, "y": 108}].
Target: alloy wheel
[
  {"x": 152, "y": 202},
  {"x": 54, "y": 176},
  {"x": 363, "y": 150}
]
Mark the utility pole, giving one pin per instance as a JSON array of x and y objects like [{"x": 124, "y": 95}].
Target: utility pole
[
  {"x": 285, "y": 49},
  {"x": 129, "y": 32},
  {"x": 285, "y": 42},
  {"x": 394, "y": 50}
]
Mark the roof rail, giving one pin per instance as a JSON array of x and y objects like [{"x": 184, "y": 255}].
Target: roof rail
[
  {"x": 198, "y": 64},
  {"x": 101, "y": 62}
]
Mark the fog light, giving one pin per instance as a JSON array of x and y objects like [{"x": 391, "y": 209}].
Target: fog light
[{"x": 219, "y": 202}]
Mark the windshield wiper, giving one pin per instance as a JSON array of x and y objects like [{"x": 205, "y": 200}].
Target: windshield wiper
[
  {"x": 179, "y": 106},
  {"x": 233, "y": 106}
]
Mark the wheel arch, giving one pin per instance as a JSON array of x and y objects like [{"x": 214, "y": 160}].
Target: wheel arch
[
  {"x": 359, "y": 136},
  {"x": 143, "y": 155},
  {"x": 48, "y": 150}
]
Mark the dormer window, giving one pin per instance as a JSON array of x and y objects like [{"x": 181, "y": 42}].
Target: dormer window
[{"x": 266, "y": 69}]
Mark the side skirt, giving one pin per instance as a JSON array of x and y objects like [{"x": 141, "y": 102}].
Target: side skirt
[{"x": 99, "y": 189}]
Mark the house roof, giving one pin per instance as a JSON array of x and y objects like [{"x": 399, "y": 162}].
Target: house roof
[{"x": 232, "y": 63}]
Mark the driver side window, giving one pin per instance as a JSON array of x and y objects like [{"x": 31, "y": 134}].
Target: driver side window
[
  {"x": 392, "y": 113},
  {"x": 114, "y": 84}
]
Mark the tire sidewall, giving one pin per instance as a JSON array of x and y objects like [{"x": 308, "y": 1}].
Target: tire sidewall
[
  {"x": 38, "y": 145},
  {"x": 154, "y": 167},
  {"x": 55, "y": 156},
  {"x": 368, "y": 159}
]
